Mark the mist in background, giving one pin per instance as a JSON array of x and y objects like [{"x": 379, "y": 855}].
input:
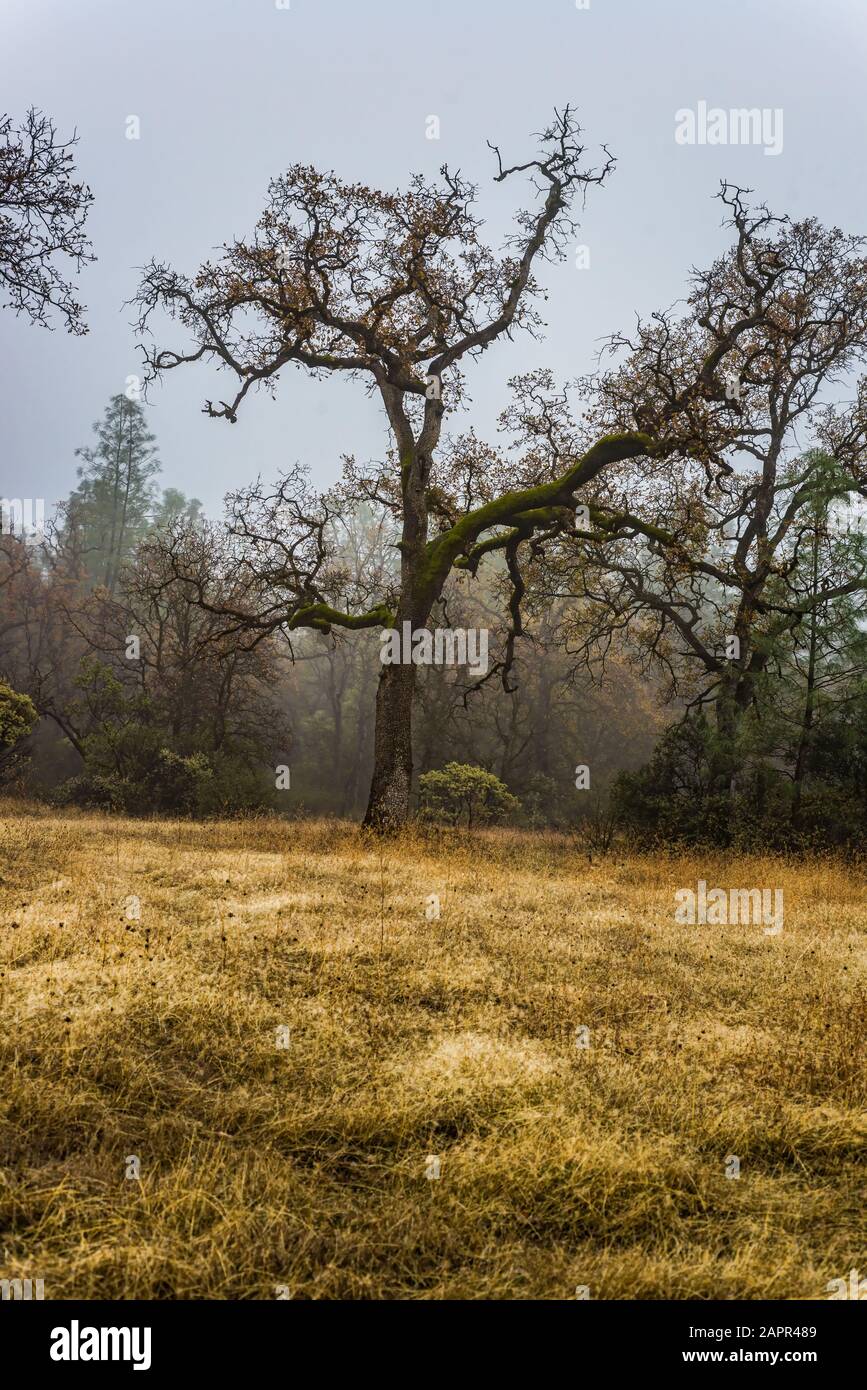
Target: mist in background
[{"x": 228, "y": 94}]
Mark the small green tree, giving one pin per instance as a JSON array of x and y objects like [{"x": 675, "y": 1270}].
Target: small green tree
[
  {"x": 18, "y": 717},
  {"x": 110, "y": 510},
  {"x": 135, "y": 762},
  {"x": 461, "y": 790}
]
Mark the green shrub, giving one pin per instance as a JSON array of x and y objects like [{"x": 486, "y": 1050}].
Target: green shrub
[
  {"x": 18, "y": 718},
  {"x": 134, "y": 762},
  {"x": 671, "y": 800},
  {"x": 463, "y": 792}
]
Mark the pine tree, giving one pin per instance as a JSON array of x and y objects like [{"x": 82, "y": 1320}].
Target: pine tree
[{"x": 111, "y": 508}]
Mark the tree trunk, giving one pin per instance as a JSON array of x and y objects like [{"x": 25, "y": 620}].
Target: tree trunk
[
  {"x": 388, "y": 806},
  {"x": 723, "y": 770},
  {"x": 804, "y": 741}
]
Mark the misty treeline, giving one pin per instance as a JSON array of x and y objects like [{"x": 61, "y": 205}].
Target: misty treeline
[
  {"x": 598, "y": 707},
  {"x": 669, "y": 555},
  {"x": 148, "y": 703}
]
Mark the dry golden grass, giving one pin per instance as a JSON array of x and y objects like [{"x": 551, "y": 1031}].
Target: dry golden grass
[{"x": 304, "y": 1167}]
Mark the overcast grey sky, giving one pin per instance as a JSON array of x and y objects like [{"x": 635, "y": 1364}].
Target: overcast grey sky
[{"x": 230, "y": 92}]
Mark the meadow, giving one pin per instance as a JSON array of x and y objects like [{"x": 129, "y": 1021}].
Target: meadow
[{"x": 235, "y": 1056}]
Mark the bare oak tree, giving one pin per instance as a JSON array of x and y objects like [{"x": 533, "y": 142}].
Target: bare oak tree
[
  {"x": 43, "y": 210},
  {"x": 397, "y": 290},
  {"x": 704, "y": 572}
]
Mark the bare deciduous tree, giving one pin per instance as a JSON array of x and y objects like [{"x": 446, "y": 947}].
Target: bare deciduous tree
[
  {"x": 705, "y": 573},
  {"x": 43, "y": 210},
  {"x": 397, "y": 290}
]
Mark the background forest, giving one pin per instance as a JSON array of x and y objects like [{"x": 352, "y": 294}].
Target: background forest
[{"x": 121, "y": 692}]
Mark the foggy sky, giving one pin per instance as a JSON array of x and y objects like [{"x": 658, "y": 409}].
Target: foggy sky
[{"x": 230, "y": 92}]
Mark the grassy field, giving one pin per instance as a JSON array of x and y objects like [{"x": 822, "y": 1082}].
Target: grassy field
[{"x": 301, "y": 1170}]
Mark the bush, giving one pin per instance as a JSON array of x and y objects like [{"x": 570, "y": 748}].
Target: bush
[
  {"x": 199, "y": 784},
  {"x": 18, "y": 717},
  {"x": 545, "y": 802},
  {"x": 670, "y": 800},
  {"x": 133, "y": 763},
  {"x": 460, "y": 790},
  {"x": 173, "y": 783}
]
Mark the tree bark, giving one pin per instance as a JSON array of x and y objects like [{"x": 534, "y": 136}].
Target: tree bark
[
  {"x": 806, "y": 734},
  {"x": 388, "y": 806}
]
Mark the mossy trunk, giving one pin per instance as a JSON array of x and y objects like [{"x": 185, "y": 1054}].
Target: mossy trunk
[
  {"x": 724, "y": 764},
  {"x": 420, "y": 587},
  {"x": 388, "y": 805}
]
